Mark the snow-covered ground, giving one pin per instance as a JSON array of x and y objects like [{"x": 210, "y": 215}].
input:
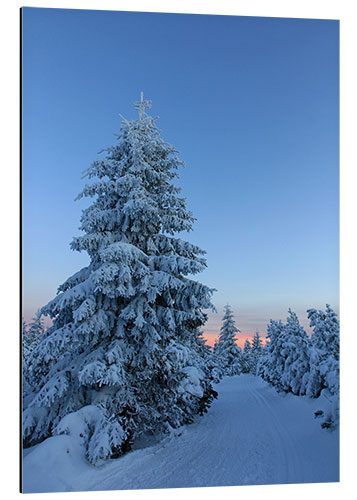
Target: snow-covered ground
[{"x": 251, "y": 435}]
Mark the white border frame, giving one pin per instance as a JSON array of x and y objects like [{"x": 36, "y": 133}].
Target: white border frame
[{"x": 9, "y": 33}]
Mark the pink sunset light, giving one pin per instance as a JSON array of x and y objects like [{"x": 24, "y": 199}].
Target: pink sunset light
[{"x": 241, "y": 338}]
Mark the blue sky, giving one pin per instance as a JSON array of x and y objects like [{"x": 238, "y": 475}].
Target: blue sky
[{"x": 251, "y": 104}]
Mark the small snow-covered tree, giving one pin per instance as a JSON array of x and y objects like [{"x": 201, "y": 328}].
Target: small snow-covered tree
[
  {"x": 123, "y": 355},
  {"x": 326, "y": 331},
  {"x": 217, "y": 365},
  {"x": 271, "y": 364},
  {"x": 296, "y": 355},
  {"x": 325, "y": 360},
  {"x": 208, "y": 357},
  {"x": 246, "y": 357},
  {"x": 257, "y": 343},
  {"x": 294, "y": 363},
  {"x": 256, "y": 352},
  {"x": 214, "y": 367},
  {"x": 200, "y": 345},
  {"x": 324, "y": 352},
  {"x": 25, "y": 354},
  {"x": 229, "y": 353},
  {"x": 32, "y": 333},
  {"x": 285, "y": 360},
  {"x": 23, "y": 338}
]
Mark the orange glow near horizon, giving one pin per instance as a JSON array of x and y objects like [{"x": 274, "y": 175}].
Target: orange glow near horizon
[{"x": 241, "y": 338}]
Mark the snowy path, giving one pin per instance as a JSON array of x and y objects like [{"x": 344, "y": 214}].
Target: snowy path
[{"x": 251, "y": 435}]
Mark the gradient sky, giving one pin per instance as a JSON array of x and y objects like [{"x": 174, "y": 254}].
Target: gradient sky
[{"x": 252, "y": 104}]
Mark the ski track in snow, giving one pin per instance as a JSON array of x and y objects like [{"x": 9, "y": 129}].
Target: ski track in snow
[
  {"x": 250, "y": 435},
  {"x": 287, "y": 448}
]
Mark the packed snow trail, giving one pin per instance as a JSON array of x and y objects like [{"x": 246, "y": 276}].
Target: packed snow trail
[{"x": 251, "y": 435}]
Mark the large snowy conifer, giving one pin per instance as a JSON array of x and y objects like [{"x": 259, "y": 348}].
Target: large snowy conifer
[{"x": 124, "y": 354}]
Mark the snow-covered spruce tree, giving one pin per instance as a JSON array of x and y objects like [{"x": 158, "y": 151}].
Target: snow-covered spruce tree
[
  {"x": 25, "y": 355},
  {"x": 216, "y": 343},
  {"x": 285, "y": 360},
  {"x": 271, "y": 364},
  {"x": 32, "y": 334},
  {"x": 325, "y": 344},
  {"x": 210, "y": 359},
  {"x": 325, "y": 360},
  {"x": 228, "y": 352},
  {"x": 23, "y": 336},
  {"x": 295, "y": 351},
  {"x": 256, "y": 352},
  {"x": 246, "y": 357},
  {"x": 216, "y": 362},
  {"x": 123, "y": 356}
]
